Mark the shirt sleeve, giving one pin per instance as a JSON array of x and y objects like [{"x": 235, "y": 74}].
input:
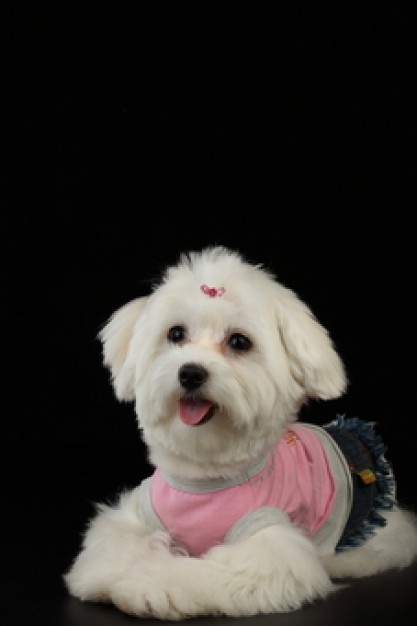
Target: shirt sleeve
[
  {"x": 255, "y": 521},
  {"x": 150, "y": 518}
]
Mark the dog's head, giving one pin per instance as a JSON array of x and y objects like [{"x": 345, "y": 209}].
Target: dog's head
[{"x": 218, "y": 359}]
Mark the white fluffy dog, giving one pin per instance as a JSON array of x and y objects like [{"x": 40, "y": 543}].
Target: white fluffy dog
[{"x": 248, "y": 511}]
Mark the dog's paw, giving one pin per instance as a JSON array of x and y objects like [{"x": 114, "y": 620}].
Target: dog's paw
[
  {"x": 87, "y": 585},
  {"x": 276, "y": 570},
  {"x": 150, "y": 591},
  {"x": 142, "y": 598}
]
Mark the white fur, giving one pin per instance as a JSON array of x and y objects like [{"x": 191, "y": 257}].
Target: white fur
[{"x": 257, "y": 393}]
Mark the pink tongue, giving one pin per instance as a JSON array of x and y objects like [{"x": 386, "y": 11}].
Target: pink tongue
[{"x": 193, "y": 411}]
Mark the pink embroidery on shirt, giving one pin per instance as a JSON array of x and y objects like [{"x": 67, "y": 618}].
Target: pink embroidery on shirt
[{"x": 290, "y": 438}]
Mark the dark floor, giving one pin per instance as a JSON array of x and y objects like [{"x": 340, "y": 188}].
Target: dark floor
[{"x": 51, "y": 493}]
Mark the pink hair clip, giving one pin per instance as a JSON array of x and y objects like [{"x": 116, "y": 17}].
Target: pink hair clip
[{"x": 212, "y": 292}]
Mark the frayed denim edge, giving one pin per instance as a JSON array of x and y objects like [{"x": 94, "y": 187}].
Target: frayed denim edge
[{"x": 385, "y": 499}]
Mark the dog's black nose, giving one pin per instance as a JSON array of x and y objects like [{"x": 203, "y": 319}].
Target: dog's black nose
[{"x": 192, "y": 376}]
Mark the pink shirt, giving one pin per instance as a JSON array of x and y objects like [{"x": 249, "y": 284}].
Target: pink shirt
[{"x": 296, "y": 479}]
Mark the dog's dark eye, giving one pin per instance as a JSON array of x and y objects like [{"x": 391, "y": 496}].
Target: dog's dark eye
[
  {"x": 239, "y": 342},
  {"x": 176, "y": 334}
]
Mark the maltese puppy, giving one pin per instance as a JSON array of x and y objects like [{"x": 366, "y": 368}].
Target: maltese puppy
[{"x": 248, "y": 510}]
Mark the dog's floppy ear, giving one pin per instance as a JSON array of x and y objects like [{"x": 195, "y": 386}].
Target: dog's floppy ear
[
  {"x": 116, "y": 336},
  {"x": 314, "y": 362}
]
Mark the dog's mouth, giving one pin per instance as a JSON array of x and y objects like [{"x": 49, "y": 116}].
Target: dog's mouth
[{"x": 195, "y": 411}]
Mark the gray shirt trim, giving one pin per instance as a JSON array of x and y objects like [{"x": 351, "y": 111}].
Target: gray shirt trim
[
  {"x": 255, "y": 520},
  {"x": 145, "y": 503},
  {"x": 206, "y": 485},
  {"x": 327, "y": 537}
]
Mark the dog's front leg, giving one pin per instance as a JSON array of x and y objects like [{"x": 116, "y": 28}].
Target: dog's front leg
[
  {"x": 117, "y": 537},
  {"x": 274, "y": 570}
]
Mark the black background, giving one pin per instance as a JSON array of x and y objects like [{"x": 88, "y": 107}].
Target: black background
[{"x": 134, "y": 132}]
